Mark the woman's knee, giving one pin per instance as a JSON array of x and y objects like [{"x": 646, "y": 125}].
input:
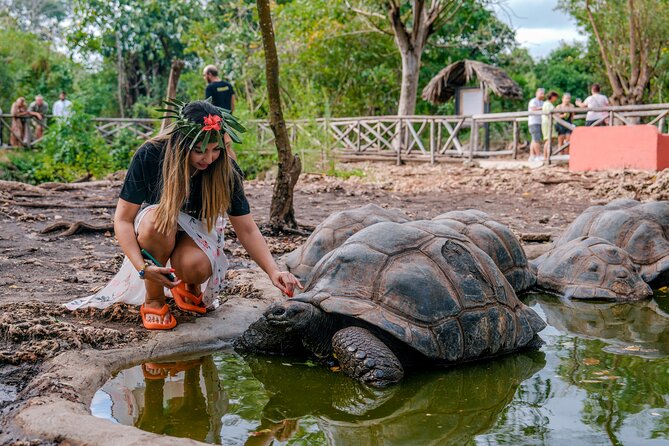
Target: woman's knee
[
  {"x": 148, "y": 235},
  {"x": 191, "y": 267}
]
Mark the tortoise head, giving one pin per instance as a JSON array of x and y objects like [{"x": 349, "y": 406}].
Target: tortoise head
[
  {"x": 608, "y": 273},
  {"x": 291, "y": 316}
]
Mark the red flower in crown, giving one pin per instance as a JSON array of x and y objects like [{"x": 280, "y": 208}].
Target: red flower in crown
[{"x": 212, "y": 122}]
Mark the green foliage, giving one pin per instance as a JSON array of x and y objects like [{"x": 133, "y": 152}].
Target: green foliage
[
  {"x": 122, "y": 149},
  {"x": 567, "y": 69},
  {"x": 28, "y": 67},
  {"x": 71, "y": 149}
]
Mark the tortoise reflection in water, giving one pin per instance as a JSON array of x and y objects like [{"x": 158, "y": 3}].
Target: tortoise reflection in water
[
  {"x": 470, "y": 399},
  {"x": 396, "y": 295},
  {"x": 637, "y": 328}
]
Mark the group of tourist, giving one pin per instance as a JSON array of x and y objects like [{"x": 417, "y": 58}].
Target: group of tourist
[
  {"x": 29, "y": 120},
  {"x": 539, "y": 124}
]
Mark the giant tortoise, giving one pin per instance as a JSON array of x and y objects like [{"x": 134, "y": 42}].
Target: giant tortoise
[
  {"x": 641, "y": 229},
  {"x": 332, "y": 232},
  {"x": 396, "y": 295},
  {"x": 496, "y": 240},
  {"x": 590, "y": 268}
]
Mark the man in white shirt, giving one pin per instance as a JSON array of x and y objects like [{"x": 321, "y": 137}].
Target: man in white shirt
[
  {"x": 595, "y": 100},
  {"x": 62, "y": 107},
  {"x": 534, "y": 122}
]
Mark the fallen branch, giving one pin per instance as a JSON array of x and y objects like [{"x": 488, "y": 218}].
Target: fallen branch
[
  {"x": 15, "y": 185},
  {"x": 86, "y": 185},
  {"x": 78, "y": 226},
  {"x": 41, "y": 204},
  {"x": 539, "y": 237}
]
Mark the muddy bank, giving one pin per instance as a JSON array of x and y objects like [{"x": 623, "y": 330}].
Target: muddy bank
[{"x": 42, "y": 267}]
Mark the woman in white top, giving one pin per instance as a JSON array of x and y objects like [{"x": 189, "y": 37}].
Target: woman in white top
[{"x": 595, "y": 100}]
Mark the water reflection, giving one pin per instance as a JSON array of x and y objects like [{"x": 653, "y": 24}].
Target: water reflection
[
  {"x": 182, "y": 398},
  {"x": 639, "y": 328},
  {"x": 432, "y": 408}
]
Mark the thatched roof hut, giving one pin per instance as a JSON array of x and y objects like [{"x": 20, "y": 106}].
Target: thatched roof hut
[{"x": 442, "y": 87}]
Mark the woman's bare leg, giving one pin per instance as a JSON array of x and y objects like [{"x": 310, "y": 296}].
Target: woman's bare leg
[
  {"x": 191, "y": 264},
  {"x": 160, "y": 246}
]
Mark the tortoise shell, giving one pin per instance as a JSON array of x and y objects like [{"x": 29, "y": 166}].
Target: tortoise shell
[
  {"x": 427, "y": 286},
  {"x": 641, "y": 229},
  {"x": 332, "y": 232},
  {"x": 591, "y": 268},
  {"x": 497, "y": 241}
]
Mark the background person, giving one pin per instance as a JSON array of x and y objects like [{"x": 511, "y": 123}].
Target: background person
[
  {"x": 564, "y": 133},
  {"x": 222, "y": 95},
  {"x": 548, "y": 107},
  {"x": 534, "y": 123},
  {"x": 221, "y": 92},
  {"x": 20, "y": 116},
  {"x": 62, "y": 108},
  {"x": 39, "y": 109},
  {"x": 595, "y": 100}
]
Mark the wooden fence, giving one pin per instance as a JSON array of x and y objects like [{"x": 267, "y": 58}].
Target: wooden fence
[{"x": 422, "y": 138}]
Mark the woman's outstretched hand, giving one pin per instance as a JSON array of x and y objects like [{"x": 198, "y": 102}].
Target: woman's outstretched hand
[{"x": 286, "y": 282}]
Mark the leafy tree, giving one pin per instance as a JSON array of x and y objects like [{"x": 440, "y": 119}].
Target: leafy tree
[
  {"x": 629, "y": 36},
  {"x": 140, "y": 37},
  {"x": 567, "y": 69}
]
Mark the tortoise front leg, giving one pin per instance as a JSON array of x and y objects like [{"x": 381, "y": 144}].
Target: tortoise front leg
[{"x": 365, "y": 357}]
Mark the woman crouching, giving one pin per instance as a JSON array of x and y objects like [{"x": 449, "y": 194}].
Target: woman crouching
[{"x": 187, "y": 182}]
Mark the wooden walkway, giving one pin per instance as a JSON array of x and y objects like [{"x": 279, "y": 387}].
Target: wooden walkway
[{"x": 404, "y": 138}]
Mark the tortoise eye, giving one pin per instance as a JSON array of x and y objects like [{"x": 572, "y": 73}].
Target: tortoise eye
[
  {"x": 593, "y": 267},
  {"x": 622, "y": 274}
]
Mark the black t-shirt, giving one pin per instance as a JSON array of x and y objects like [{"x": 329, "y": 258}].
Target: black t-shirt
[
  {"x": 144, "y": 180},
  {"x": 220, "y": 93}
]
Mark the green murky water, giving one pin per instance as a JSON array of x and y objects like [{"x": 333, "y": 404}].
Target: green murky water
[{"x": 601, "y": 379}]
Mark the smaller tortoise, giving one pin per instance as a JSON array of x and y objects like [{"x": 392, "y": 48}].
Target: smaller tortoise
[
  {"x": 395, "y": 295},
  {"x": 641, "y": 229},
  {"x": 334, "y": 231},
  {"x": 591, "y": 268},
  {"x": 497, "y": 241}
]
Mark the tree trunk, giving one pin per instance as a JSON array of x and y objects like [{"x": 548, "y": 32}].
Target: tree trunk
[
  {"x": 175, "y": 73},
  {"x": 120, "y": 77},
  {"x": 282, "y": 214},
  {"x": 409, "y": 88}
]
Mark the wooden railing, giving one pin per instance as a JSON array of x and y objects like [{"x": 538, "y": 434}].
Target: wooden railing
[{"x": 423, "y": 138}]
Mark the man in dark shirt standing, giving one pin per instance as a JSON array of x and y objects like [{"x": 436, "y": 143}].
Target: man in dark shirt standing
[
  {"x": 221, "y": 92},
  {"x": 222, "y": 95}
]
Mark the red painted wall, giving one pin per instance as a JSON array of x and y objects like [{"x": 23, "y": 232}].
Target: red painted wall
[{"x": 618, "y": 147}]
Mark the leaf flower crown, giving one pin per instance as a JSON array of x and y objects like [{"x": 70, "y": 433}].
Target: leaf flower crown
[{"x": 214, "y": 125}]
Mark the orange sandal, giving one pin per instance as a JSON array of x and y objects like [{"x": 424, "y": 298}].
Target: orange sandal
[
  {"x": 180, "y": 294},
  {"x": 143, "y": 310}
]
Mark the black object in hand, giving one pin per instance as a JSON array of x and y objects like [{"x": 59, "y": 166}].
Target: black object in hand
[{"x": 151, "y": 259}]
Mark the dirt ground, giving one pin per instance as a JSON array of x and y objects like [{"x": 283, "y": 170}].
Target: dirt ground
[{"x": 40, "y": 271}]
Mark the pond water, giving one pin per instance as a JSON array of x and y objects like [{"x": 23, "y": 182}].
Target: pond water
[{"x": 602, "y": 378}]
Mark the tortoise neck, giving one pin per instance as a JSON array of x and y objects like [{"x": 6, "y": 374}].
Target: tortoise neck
[{"x": 318, "y": 334}]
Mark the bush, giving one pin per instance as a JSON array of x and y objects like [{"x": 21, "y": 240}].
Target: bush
[{"x": 71, "y": 149}]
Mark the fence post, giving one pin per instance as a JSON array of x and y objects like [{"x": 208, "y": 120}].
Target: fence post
[
  {"x": 474, "y": 140},
  {"x": 515, "y": 139},
  {"x": 432, "y": 141},
  {"x": 399, "y": 145},
  {"x": 610, "y": 118},
  {"x": 550, "y": 139},
  {"x": 359, "y": 138}
]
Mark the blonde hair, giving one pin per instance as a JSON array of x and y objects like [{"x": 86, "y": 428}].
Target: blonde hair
[{"x": 218, "y": 182}]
